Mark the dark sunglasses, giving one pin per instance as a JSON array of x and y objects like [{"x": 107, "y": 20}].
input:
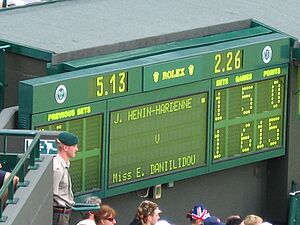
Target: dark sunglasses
[{"x": 111, "y": 219}]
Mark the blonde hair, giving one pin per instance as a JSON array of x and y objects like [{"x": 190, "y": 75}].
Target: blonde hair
[
  {"x": 145, "y": 209},
  {"x": 253, "y": 220}
]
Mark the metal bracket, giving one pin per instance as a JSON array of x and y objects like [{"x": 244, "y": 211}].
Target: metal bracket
[
  {"x": 3, "y": 47},
  {"x": 3, "y": 84}
]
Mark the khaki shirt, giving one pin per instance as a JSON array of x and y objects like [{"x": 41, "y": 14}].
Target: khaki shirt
[{"x": 62, "y": 186}]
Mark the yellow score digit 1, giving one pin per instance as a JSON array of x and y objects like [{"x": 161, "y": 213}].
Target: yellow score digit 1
[
  {"x": 112, "y": 81},
  {"x": 120, "y": 81}
]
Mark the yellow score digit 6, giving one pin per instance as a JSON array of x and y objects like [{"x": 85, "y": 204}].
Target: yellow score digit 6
[{"x": 238, "y": 60}]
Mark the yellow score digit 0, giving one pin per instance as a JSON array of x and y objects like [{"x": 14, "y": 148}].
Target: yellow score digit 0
[{"x": 231, "y": 60}]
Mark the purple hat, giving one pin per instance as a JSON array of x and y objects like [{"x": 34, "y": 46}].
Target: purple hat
[
  {"x": 200, "y": 213},
  {"x": 213, "y": 221}
]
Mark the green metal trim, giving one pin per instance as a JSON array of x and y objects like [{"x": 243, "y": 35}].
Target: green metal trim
[
  {"x": 80, "y": 207},
  {"x": 159, "y": 49},
  {"x": 2, "y": 78},
  {"x": 28, "y": 51},
  {"x": 292, "y": 217},
  {"x": 293, "y": 40},
  {"x": 2, "y": 74},
  {"x": 244, "y": 160}
]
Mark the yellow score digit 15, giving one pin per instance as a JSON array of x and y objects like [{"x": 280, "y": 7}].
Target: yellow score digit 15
[
  {"x": 112, "y": 84},
  {"x": 228, "y": 61}
]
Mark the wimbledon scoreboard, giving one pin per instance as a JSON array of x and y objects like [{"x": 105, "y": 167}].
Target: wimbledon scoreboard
[{"x": 168, "y": 116}]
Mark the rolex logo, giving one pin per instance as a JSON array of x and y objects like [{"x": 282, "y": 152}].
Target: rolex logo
[
  {"x": 155, "y": 76},
  {"x": 191, "y": 69}
]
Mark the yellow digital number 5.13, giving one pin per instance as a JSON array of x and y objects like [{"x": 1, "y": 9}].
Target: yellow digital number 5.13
[
  {"x": 228, "y": 61},
  {"x": 112, "y": 84}
]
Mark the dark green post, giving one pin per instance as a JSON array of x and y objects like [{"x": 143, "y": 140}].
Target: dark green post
[{"x": 2, "y": 71}]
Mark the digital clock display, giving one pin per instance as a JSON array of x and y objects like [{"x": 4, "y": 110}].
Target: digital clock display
[
  {"x": 248, "y": 118},
  {"x": 228, "y": 61},
  {"x": 109, "y": 84}
]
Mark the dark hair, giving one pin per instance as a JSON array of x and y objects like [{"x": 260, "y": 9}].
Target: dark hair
[
  {"x": 234, "y": 220},
  {"x": 92, "y": 200},
  {"x": 189, "y": 216}
]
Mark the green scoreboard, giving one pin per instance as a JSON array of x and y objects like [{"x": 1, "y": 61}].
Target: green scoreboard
[{"x": 168, "y": 116}]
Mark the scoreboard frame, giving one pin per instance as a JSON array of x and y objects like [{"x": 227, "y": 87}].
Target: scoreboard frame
[{"x": 154, "y": 79}]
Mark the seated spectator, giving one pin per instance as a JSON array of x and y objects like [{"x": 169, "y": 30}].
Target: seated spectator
[
  {"x": 266, "y": 223},
  {"x": 3, "y": 177},
  {"x": 162, "y": 222},
  {"x": 147, "y": 214},
  {"x": 198, "y": 214},
  {"x": 213, "y": 221},
  {"x": 253, "y": 220},
  {"x": 234, "y": 220},
  {"x": 91, "y": 218},
  {"x": 107, "y": 215}
]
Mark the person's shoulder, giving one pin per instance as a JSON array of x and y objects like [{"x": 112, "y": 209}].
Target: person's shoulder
[
  {"x": 57, "y": 163},
  {"x": 2, "y": 173},
  {"x": 86, "y": 222},
  {"x": 135, "y": 221}
]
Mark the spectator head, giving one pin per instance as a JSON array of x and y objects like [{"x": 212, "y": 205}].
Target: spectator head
[
  {"x": 198, "y": 214},
  {"x": 253, "y": 220},
  {"x": 107, "y": 215},
  {"x": 148, "y": 213},
  {"x": 94, "y": 214},
  {"x": 234, "y": 220},
  {"x": 213, "y": 221},
  {"x": 67, "y": 145},
  {"x": 67, "y": 138},
  {"x": 266, "y": 223}
]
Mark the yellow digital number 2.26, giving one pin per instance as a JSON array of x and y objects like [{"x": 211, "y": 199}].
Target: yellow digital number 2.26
[{"x": 228, "y": 61}]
